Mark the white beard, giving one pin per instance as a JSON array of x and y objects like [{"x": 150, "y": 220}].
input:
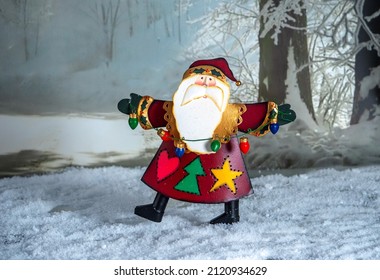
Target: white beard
[{"x": 197, "y": 117}]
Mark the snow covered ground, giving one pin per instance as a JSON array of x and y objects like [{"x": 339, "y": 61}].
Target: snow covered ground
[{"x": 84, "y": 213}]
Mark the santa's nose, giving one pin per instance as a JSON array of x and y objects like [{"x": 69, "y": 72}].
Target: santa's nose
[{"x": 204, "y": 80}]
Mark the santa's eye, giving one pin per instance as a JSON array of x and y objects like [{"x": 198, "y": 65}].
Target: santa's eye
[{"x": 210, "y": 79}]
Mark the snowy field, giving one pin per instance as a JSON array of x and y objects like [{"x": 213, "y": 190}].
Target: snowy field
[{"x": 84, "y": 213}]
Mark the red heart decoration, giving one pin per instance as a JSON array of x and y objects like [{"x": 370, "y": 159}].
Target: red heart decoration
[{"x": 166, "y": 166}]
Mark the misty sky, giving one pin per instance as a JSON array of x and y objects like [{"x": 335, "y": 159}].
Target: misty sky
[{"x": 55, "y": 55}]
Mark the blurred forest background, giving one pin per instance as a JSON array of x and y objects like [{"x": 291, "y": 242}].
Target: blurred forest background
[{"x": 78, "y": 58}]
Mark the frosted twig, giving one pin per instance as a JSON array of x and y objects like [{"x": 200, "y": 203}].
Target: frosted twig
[{"x": 359, "y": 11}]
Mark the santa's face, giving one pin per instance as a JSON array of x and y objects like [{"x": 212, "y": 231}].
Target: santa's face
[{"x": 198, "y": 106}]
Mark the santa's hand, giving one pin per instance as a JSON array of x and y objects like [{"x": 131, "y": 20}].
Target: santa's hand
[
  {"x": 285, "y": 114},
  {"x": 129, "y": 106}
]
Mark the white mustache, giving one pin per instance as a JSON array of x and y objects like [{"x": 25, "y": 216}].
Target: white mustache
[{"x": 194, "y": 92}]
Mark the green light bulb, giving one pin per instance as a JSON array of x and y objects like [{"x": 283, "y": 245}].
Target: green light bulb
[{"x": 215, "y": 145}]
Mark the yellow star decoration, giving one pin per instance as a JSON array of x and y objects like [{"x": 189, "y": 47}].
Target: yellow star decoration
[{"x": 225, "y": 176}]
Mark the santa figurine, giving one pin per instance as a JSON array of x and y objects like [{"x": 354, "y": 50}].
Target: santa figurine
[{"x": 200, "y": 159}]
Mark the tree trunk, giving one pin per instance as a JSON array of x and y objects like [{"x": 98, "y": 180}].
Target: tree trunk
[
  {"x": 366, "y": 96},
  {"x": 274, "y": 61},
  {"x": 25, "y": 28}
]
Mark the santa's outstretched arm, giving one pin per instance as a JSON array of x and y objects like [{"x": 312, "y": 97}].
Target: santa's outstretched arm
[
  {"x": 260, "y": 118},
  {"x": 145, "y": 110}
]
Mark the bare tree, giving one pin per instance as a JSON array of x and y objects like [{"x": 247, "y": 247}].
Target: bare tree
[
  {"x": 181, "y": 10},
  {"x": 28, "y": 15},
  {"x": 283, "y": 27},
  {"x": 367, "y": 62},
  {"x": 243, "y": 32},
  {"x": 231, "y": 31},
  {"x": 107, "y": 14},
  {"x": 349, "y": 34},
  {"x": 331, "y": 30}
]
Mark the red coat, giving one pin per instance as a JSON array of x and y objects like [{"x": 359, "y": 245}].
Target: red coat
[{"x": 204, "y": 178}]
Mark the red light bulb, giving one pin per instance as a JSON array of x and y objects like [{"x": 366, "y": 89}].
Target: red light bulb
[
  {"x": 165, "y": 135},
  {"x": 244, "y": 145}
]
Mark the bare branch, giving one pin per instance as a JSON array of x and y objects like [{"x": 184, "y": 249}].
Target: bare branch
[{"x": 359, "y": 12}]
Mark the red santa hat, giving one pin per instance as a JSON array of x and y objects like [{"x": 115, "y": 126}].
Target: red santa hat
[{"x": 217, "y": 67}]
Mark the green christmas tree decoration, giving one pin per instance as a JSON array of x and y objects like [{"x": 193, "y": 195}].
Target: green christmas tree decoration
[{"x": 190, "y": 183}]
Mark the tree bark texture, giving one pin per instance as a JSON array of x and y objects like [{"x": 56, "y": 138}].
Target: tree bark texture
[
  {"x": 274, "y": 61},
  {"x": 366, "y": 103}
]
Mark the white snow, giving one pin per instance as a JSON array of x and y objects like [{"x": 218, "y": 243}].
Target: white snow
[
  {"x": 86, "y": 213},
  {"x": 293, "y": 94},
  {"x": 366, "y": 85}
]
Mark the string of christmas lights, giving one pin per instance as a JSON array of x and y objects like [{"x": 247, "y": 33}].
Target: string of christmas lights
[{"x": 215, "y": 143}]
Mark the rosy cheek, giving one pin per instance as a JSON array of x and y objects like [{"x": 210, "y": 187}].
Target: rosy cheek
[
  {"x": 211, "y": 83},
  {"x": 199, "y": 81}
]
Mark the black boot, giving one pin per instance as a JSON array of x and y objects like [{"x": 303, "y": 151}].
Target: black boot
[
  {"x": 154, "y": 211},
  {"x": 230, "y": 215}
]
